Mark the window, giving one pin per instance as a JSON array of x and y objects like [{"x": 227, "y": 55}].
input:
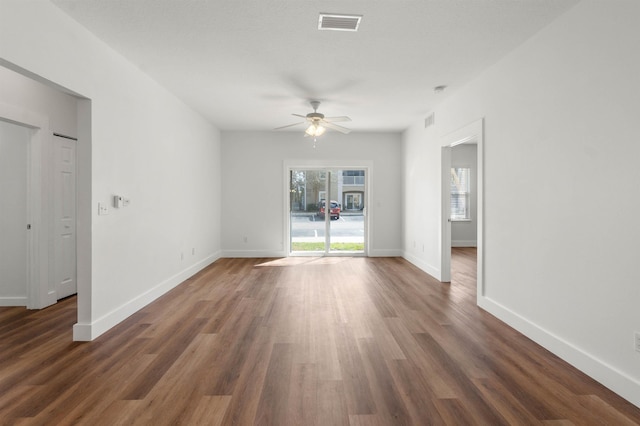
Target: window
[
  {"x": 353, "y": 177},
  {"x": 460, "y": 197}
]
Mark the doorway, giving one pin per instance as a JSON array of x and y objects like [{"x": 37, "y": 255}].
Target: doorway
[
  {"x": 468, "y": 137},
  {"x": 327, "y": 213},
  {"x": 45, "y": 173},
  {"x": 15, "y": 142},
  {"x": 38, "y": 230},
  {"x": 47, "y": 105}
]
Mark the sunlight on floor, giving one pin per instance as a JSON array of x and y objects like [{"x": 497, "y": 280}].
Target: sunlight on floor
[{"x": 294, "y": 261}]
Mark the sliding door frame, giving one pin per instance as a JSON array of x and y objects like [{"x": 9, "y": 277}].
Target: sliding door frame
[{"x": 320, "y": 164}]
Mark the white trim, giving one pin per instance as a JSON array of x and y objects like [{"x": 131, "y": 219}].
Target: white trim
[
  {"x": 385, "y": 253},
  {"x": 421, "y": 264},
  {"x": 253, "y": 253},
  {"x": 609, "y": 376},
  {"x": 445, "y": 212},
  {"x": 13, "y": 301},
  {"x": 87, "y": 332}
]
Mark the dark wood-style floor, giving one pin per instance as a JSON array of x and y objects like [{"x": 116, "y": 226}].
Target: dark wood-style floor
[{"x": 298, "y": 341}]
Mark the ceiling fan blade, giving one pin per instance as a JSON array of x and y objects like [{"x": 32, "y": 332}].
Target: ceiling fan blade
[
  {"x": 337, "y": 119},
  {"x": 332, "y": 126},
  {"x": 301, "y": 116},
  {"x": 288, "y": 125}
]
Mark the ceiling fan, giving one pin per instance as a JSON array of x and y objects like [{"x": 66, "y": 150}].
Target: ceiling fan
[{"x": 318, "y": 123}]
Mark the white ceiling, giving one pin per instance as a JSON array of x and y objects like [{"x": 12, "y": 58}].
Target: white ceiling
[{"x": 249, "y": 64}]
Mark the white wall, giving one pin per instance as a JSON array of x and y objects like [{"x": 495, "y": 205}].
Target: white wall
[
  {"x": 560, "y": 161},
  {"x": 421, "y": 198},
  {"x": 253, "y": 186},
  {"x": 464, "y": 233},
  {"x": 14, "y": 141},
  {"x": 138, "y": 141}
]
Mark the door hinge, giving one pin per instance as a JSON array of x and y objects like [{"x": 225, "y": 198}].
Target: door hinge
[{"x": 28, "y": 226}]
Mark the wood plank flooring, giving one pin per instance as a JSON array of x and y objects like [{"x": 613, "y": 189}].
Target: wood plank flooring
[{"x": 298, "y": 341}]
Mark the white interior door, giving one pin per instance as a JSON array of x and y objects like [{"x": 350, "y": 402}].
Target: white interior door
[
  {"x": 445, "y": 273},
  {"x": 64, "y": 204}
]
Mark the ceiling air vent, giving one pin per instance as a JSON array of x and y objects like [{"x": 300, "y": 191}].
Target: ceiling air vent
[
  {"x": 329, "y": 21},
  {"x": 430, "y": 120}
]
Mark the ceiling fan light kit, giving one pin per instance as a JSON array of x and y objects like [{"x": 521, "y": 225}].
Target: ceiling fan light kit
[
  {"x": 315, "y": 130},
  {"x": 317, "y": 123}
]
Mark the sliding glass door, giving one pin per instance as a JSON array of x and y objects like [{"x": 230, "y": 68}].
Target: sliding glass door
[{"x": 327, "y": 211}]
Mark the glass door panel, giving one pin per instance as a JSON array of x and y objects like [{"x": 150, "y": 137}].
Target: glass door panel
[
  {"x": 347, "y": 230},
  {"x": 327, "y": 209},
  {"x": 307, "y": 229}
]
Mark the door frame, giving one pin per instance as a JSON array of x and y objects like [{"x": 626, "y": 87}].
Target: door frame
[
  {"x": 445, "y": 217},
  {"x": 292, "y": 164},
  {"x": 472, "y": 133},
  {"x": 40, "y": 292}
]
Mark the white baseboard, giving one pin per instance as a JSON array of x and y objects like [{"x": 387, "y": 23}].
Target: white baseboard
[
  {"x": 253, "y": 253},
  {"x": 385, "y": 253},
  {"x": 13, "y": 301},
  {"x": 87, "y": 332},
  {"x": 464, "y": 243},
  {"x": 609, "y": 376},
  {"x": 274, "y": 253},
  {"x": 268, "y": 253},
  {"x": 429, "y": 269}
]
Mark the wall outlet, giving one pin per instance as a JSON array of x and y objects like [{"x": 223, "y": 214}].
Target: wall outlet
[
  {"x": 193, "y": 251},
  {"x": 637, "y": 342},
  {"x": 245, "y": 239},
  {"x": 103, "y": 209}
]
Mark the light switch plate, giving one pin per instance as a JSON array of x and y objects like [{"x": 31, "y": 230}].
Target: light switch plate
[{"x": 103, "y": 209}]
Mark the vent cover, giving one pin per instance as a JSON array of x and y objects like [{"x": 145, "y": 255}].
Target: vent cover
[
  {"x": 329, "y": 21},
  {"x": 430, "y": 120}
]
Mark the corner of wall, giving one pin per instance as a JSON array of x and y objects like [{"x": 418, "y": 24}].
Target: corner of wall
[
  {"x": 385, "y": 253},
  {"x": 426, "y": 267}
]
